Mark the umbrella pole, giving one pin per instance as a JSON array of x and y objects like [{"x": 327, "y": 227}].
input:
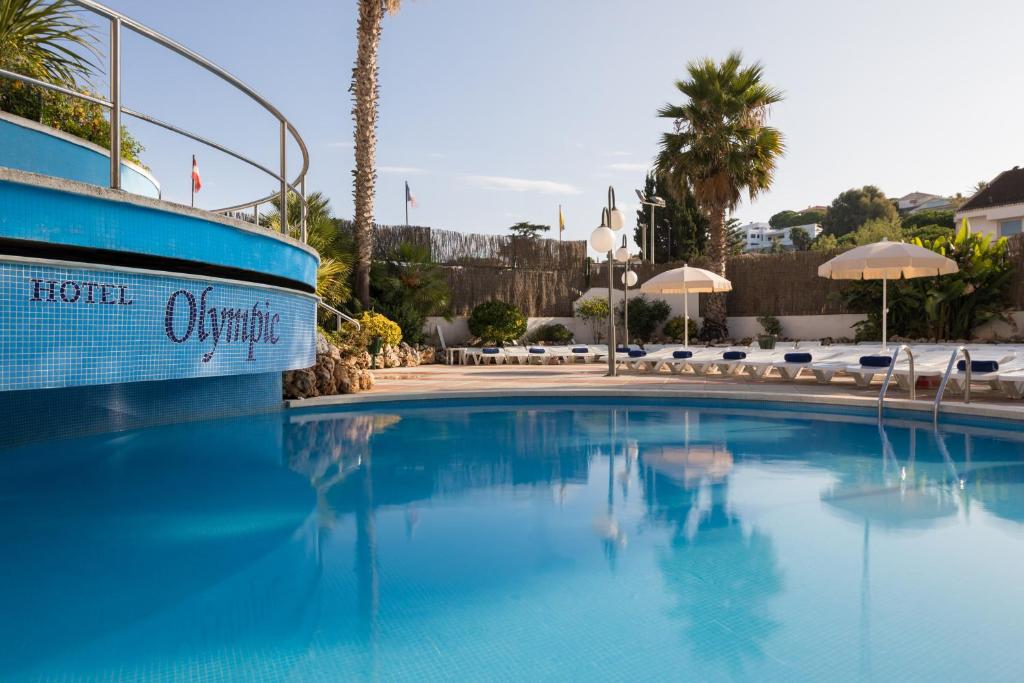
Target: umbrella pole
[
  {"x": 885, "y": 314},
  {"x": 686, "y": 319}
]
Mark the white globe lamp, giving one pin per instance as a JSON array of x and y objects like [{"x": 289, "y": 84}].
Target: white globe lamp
[
  {"x": 629, "y": 278},
  {"x": 602, "y": 239}
]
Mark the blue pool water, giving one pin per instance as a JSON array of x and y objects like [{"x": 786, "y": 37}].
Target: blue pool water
[{"x": 516, "y": 541}]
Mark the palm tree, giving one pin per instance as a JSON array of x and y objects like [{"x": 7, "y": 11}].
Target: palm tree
[
  {"x": 324, "y": 235},
  {"x": 45, "y": 40},
  {"x": 364, "y": 112},
  {"x": 718, "y": 148}
]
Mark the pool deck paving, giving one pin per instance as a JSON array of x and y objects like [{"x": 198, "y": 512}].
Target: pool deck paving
[{"x": 441, "y": 382}]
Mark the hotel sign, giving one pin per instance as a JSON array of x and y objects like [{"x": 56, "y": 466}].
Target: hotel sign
[{"x": 77, "y": 326}]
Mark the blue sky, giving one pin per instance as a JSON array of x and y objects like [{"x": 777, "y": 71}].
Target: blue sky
[{"x": 496, "y": 112}]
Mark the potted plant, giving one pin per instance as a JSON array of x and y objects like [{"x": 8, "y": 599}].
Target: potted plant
[{"x": 772, "y": 329}]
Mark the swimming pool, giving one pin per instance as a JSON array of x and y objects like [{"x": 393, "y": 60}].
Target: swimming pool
[{"x": 516, "y": 540}]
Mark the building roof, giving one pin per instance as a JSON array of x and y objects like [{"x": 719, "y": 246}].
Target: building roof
[{"x": 1006, "y": 188}]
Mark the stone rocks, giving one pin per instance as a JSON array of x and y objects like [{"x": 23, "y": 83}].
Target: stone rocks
[{"x": 333, "y": 373}]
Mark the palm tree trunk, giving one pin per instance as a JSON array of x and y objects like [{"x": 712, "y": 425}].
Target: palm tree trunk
[
  {"x": 715, "y": 326},
  {"x": 364, "y": 113}
]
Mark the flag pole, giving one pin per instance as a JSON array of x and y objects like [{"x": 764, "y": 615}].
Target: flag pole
[
  {"x": 192, "y": 180},
  {"x": 407, "y": 203},
  {"x": 561, "y": 228}
]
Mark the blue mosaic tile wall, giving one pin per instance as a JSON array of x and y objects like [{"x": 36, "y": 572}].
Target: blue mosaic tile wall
[
  {"x": 64, "y": 326},
  {"x": 46, "y": 414},
  {"x": 48, "y": 215}
]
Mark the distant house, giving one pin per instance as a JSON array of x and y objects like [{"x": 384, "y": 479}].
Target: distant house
[
  {"x": 760, "y": 236},
  {"x": 922, "y": 201},
  {"x": 998, "y": 209}
]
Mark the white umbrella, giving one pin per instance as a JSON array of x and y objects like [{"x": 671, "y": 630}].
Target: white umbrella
[
  {"x": 686, "y": 280},
  {"x": 883, "y": 261}
]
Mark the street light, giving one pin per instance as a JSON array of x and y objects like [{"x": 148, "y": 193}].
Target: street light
[
  {"x": 629, "y": 279},
  {"x": 651, "y": 201},
  {"x": 603, "y": 240}
]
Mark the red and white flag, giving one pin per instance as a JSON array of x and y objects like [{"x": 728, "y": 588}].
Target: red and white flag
[{"x": 197, "y": 183}]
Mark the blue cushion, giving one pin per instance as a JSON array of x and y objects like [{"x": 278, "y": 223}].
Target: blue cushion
[
  {"x": 580, "y": 349},
  {"x": 682, "y": 354},
  {"x": 490, "y": 349},
  {"x": 637, "y": 353},
  {"x": 798, "y": 357},
  {"x": 535, "y": 349},
  {"x": 876, "y": 361},
  {"x": 979, "y": 366},
  {"x": 734, "y": 355},
  {"x": 622, "y": 348}
]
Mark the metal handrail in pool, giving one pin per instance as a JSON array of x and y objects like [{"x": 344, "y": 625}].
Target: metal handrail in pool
[
  {"x": 888, "y": 377},
  {"x": 114, "y": 104},
  {"x": 945, "y": 379}
]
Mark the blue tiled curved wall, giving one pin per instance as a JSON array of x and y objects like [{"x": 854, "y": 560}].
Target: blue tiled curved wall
[
  {"x": 36, "y": 151},
  {"x": 67, "y": 326},
  {"x": 32, "y": 212}
]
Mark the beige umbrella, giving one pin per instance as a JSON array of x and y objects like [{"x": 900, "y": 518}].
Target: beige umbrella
[
  {"x": 883, "y": 261},
  {"x": 686, "y": 280}
]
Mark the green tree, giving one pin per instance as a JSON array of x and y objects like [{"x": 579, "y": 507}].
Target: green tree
[
  {"x": 825, "y": 242},
  {"x": 735, "y": 237},
  {"x": 324, "y": 234},
  {"x": 407, "y": 287},
  {"x": 853, "y": 208},
  {"x": 789, "y": 219},
  {"x": 594, "y": 312},
  {"x": 496, "y": 322},
  {"x": 681, "y": 230},
  {"x": 800, "y": 238},
  {"x": 931, "y": 217},
  {"x": 875, "y": 230},
  {"x": 528, "y": 230},
  {"x": 645, "y": 316},
  {"x": 719, "y": 147},
  {"x": 927, "y": 233}
]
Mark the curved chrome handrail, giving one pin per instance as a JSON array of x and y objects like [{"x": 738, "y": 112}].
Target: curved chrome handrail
[
  {"x": 119, "y": 21},
  {"x": 945, "y": 379},
  {"x": 338, "y": 316},
  {"x": 888, "y": 377}
]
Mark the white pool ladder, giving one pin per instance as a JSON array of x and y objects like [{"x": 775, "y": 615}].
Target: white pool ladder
[
  {"x": 945, "y": 378},
  {"x": 888, "y": 377}
]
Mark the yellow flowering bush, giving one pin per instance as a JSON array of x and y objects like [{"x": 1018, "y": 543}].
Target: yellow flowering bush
[{"x": 376, "y": 324}]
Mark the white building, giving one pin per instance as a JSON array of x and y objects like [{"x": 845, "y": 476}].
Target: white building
[
  {"x": 998, "y": 209},
  {"x": 761, "y": 236}
]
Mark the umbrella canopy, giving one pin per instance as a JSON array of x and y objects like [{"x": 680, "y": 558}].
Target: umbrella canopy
[
  {"x": 887, "y": 260},
  {"x": 883, "y": 261},
  {"x": 686, "y": 280}
]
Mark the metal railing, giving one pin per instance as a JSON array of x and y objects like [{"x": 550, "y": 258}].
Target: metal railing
[
  {"x": 339, "y": 316},
  {"x": 945, "y": 379},
  {"x": 118, "y": 22},
  {"x": 888, "y": 377}
]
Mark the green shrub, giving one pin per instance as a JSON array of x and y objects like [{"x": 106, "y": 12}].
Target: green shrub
[
  {"x": 945, "y": 307},
  {"x": 645, "y": 316},
  {"x": 674, "y": 328},
  {"x": 377, "y": 325},
  {"x": 594, "y": 312},
  {"x": 496, "y": 322},
  {"x": 408, "y": 286},
  {"x": 555, "y": 333},
  {"x": 771, "y": 325}
]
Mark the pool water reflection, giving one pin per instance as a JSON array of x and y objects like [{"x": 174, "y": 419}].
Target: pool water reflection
[{"x": 515, "y": 540}]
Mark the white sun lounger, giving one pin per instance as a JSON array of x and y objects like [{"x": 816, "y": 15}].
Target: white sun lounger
[
  {"x": 789, "y": 370},
  {"x": 737, "y": 366},
  {"x": 679, "y": 365},
  {"x": 824, "y": 370},
  {"x": 705, "y": 364},
  {"x": 1011, "y": 383},
  {"x": 936, "y": 362},
  {"x": 653, "y": 359},
  {"x": 1007, "y": 367}
]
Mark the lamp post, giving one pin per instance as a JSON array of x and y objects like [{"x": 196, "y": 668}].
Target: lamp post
[
  {"x": 629, "y": 279},
  {"x": 651, "y": 201},
  {"x": 603, "y": 239}
]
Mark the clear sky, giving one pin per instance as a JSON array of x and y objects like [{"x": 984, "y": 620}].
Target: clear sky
[{"x": 496, "y": 112}]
